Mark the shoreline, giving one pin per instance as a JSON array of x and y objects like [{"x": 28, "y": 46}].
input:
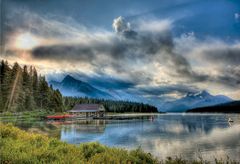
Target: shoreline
[{"x": 48, "y": 150}]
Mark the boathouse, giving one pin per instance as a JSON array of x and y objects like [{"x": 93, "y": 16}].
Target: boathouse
[{"x": 88, "y": 110}]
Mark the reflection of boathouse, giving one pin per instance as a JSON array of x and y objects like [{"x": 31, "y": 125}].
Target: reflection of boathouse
[
  {"x": 93, "y": 126},
  {"x": 88, "y": 110}
]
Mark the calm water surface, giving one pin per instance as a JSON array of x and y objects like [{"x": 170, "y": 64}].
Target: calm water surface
[{"x": 187, "y": 135}]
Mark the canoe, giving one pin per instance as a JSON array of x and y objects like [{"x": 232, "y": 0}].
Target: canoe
[{"x": 60, "y": 116}]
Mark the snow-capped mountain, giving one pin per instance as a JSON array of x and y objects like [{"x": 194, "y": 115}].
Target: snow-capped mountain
[
  {"x": 194, "y": 100},
  {"x": 70, "y": 86}
]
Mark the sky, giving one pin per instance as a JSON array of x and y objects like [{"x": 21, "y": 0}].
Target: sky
[{"x": 157, "y": 49}]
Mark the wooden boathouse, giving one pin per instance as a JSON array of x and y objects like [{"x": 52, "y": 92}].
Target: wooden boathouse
[{"x": 88, "y": 110}]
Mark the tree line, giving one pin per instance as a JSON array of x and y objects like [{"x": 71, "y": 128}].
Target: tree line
[
  {"x": 22, "y": 89},
  {"x": 110, "y": 105}
]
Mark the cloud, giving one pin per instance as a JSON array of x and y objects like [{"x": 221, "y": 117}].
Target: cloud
[
  {"x": 145, "y": 44},
  {"x": 143, "y": 54},
  {"x": 168, "y": 89},
  {"x": 223, "y": 55},
  {"x": 114, "y": 46},
  {"x": 219, "y": 59},
  {"x": 120, "y": 25},
  {"x": 155, "y": 26}
]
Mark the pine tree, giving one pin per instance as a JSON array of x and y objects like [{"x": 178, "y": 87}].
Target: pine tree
[
  {"x": 5, "y": 73},
  {"x": 1, "y": 99},
  {"x": 35, "y": 86},
  {"x": 29, "y": 102},
  {"x": 44, "y": 93},
  {"x": 56, "y": 102}
]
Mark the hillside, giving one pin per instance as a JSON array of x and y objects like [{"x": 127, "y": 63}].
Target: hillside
[
  {"x": 232, "y": 107},
  {"x": 111, "y": 106}
]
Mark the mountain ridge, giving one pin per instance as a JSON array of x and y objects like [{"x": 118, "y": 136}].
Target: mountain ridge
[{"x": 71, "y": 86}]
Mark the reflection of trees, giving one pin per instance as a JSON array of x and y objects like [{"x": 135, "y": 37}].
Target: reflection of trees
[
  {"x": 182, "y": 126},
  {"x": 38, "y": 127},
  {"x": 208, "y": 123},
  {"x": 202, "y": 123}
]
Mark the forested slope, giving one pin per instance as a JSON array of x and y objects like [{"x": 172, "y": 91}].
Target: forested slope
[{"x": 22, "y": 89}]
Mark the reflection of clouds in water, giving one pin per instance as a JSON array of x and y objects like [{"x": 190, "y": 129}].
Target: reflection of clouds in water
[
  {"x": 176, "y": 129},
  {"x": 219, "y": 143},
  {"x": 190, "y": 136},
  {"x": 114, "y": 134}
]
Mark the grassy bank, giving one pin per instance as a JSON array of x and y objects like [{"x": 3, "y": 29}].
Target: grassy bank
[
  {"x": 27, "y": 116},
  {"x": 18, "y": 146}
]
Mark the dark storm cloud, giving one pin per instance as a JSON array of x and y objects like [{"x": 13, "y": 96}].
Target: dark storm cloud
[
  {"x": 227, "y": 60},
  {"x": 229, "y": 76},
  {"x": 224, "y": 55},
  {"x": 64, "y": 52}
]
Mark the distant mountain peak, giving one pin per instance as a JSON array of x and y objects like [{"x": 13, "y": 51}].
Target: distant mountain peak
[
  {"x": 203, "y": 93},
  {"x": 69, "y": 78},
  {"x": 194, "y": 100},
  {"x": 70, "y": 86}
]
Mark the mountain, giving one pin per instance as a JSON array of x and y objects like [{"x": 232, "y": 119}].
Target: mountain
[
  {"x": 231, "y": 107},
  {"x": 194, "y": 100},
  {"x": 70, "y": 86}
]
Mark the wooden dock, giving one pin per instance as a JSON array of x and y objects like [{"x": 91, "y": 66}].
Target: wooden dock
[{"x": 125, "y": 117}]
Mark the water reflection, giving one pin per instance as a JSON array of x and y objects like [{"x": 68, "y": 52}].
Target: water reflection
[{"x": 188, "y": 135}]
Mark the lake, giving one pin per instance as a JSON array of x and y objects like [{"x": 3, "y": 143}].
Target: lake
[{"x": 187, "y": 135}]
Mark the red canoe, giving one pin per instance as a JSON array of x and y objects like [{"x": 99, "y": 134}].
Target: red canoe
[{"x": 60, "y": 116}]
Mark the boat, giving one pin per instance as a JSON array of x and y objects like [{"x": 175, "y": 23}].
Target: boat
[
  {"x": 59, "y": 117},
  {"x": 230, "y": 120}
]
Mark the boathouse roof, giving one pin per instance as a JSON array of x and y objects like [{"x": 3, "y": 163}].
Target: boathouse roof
[{"x": 87, "y": 108}]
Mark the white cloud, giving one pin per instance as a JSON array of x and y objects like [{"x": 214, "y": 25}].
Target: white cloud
[
  {"x": 155, "y": 25},
  {"x": 120, "y": 24}
]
